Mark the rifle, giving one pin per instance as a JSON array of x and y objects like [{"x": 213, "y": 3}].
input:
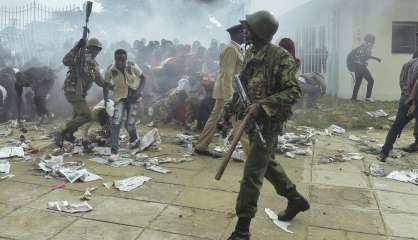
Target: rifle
[
  {"x": 82, "y": 54},
  {"x": 245, "y": 100}
]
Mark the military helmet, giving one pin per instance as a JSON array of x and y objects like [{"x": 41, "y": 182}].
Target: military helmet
[
  {"x": 263, "y": 24},
  {"x": 370, "y": 38},
  {"x": 94, "y": 42}
]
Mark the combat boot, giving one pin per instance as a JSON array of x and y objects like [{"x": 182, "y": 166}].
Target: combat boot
[
  {"x": 239, "y": 236},
  {"x": 59, "y": 139},
  {"x": 413, "y": 148},
  {"x": 295, "y": 205},
  {"x": 69, "y": 137}
]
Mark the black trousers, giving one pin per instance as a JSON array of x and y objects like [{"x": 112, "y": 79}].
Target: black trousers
[{"x": 362, "y": 72}]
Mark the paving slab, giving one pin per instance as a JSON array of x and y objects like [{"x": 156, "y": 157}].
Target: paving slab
[
  {"x": 350, "y": 166},
  {"x": 64, "y": 195},
  {"x": 33, "y": 224},
  {"x": 120, "y": 172},
  {"x": 18, "y": 194},
  {"x": 5, "y": 209},
  {"x": 393, "y": 186},
  {"x": 343, "y": 179},
  {"x": 362, "y": 236},
  {"x": 401, "y": 224},
  {"x": 195, "y": 222},
  {"x": 153, "y": 192},
  {"x": 177, "y": 176},
  {"x": 356, "y": 220},
  {"x": 126, "y": 211},
  {"x": 94, "y": 230},
  {"x": 157, "y": 235},
  {"x": 263, "y": 228},
  {"x": 206, "y": 179},
  {"x": 315, "y": 233},
  {"x": 343, "y": 197},
  {"x": 398, "y": 202}
]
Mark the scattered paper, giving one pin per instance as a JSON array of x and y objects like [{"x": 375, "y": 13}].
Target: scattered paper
[
  {"x": 88, "y": 194},
  {"x": 353, "y": 156},
  {"x": 378, "y": 113},
  {"x": 273, "y": 216},
  {"x": 9, "y": 152},
  {"x": 102, "y": 151},
  {"x": 131, "y": 183},
  {"x": 410, "y": 176},
  {"x": 4, "y": 167},
  {"x": 376, "y": 170},
  {"x": 64, "y": 206},
  {"x": 148, "y": 139},
  {"x": 158, "y": 169},
  {"x": 336, "y": 130}
]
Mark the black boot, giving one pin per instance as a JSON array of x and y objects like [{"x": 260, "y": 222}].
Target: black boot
[
  {"x": 295, "y": 205},
  {"x": 69, "y": 137},
  {"x": 59, "y": 139},
  {"x": 412, "y": 148},
  {"x": 239, "y": 236},
  {"x": 242, "y": 230}
]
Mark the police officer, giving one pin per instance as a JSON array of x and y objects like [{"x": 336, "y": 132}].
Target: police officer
[
  {"x": 269, "y": 74},
  {"x": 75, "y": 88},
  {"x": 230, "y": 65}
]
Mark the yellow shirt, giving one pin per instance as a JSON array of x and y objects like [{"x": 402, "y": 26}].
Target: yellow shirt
[
  {"x": 123, "y": 81},
  {"x": 231, "y": 61}
]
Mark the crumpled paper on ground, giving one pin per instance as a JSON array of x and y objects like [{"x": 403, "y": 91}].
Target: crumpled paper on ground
[
  {"x": 409, "y": 176},
  {"x": 151, "y": 137},
  {"x": 378, "y": 113},
  {"x": 64, "y": 206},
  {"x": 336, "y": 158},
  {"x": 87, "y": 195},
  {"x": 336, "y": 130},
  {"x": 9, "y": 152},
  {"x": 376, "y": 170},
  {"x": 129, "y": 184},
  {"x": 273, "y": 216},
  {"x": 361, "y": 139},
  {"x": 158, "y": 169}
]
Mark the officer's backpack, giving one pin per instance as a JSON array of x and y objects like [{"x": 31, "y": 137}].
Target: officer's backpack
[{"x": 350, "y": 60}]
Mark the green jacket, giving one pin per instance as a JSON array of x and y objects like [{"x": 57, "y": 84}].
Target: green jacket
[
  {"x": 91, "y": 74},
  {"x": 270, "y": 77}
]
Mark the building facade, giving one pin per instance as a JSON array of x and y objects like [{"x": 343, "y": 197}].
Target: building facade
[{"x": 325, "y": 31}]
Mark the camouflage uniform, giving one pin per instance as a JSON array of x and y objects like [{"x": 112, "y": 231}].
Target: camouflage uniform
[
  {"x": 76, "y": 92},
  {"x": 270, "y": 77}
]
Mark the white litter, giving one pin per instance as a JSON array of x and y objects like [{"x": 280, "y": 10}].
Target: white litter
[
  {"x": 290, "y": 155},
  {"x": 376, "y": 170},
  {"x": 273, "y": 216},
  {"x": 393, "y": 118},
  {"x": 148, "y": 139},
  {"x": 9, "y": 152},
  {"x": 158, "y": 169},
  {"x": 378, "y": 113},
  {"x": 131, "y": 183},
  {"x": 4, "y": 167},
  {"x": 353, "y": 156},
  {"x": 64, "y": 206},
  {"x": 87, "y": 195},
  {"x": 336, "y": 130},
  {"x": 409, "y": 176}
]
